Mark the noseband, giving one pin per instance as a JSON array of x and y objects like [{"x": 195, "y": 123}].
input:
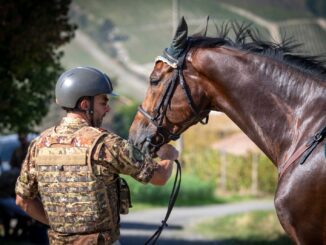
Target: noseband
[{"x": 159, "y": 113}]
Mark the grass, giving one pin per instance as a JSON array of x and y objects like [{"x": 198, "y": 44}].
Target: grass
[
  {"x": 228, "y": 198},
  {"x": 258, "y": 227},
  {"x": 193, "y": 192}
]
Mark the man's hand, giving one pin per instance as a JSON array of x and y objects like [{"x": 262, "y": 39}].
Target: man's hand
[{"x": 167, "y": 152}]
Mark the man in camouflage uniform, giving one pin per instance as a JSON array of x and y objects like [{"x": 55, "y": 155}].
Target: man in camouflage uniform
[{"x": 70, "y": 176}]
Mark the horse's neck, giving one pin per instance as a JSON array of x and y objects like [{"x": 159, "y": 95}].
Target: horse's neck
[{"x": 275, "y": 106}]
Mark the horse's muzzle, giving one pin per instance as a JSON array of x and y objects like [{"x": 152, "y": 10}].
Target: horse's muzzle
[{"x": 142, "y": 141}]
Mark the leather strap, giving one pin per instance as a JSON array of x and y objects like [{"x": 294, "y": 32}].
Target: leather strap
[{"x": 306, "y": 148}]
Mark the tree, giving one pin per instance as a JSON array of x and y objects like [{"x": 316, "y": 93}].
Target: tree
[{"x": 31, "y": 33}]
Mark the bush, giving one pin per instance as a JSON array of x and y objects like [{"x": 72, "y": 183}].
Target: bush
[
  {"x": 206, "y": 165},
  {"x": 122, "y": 118},
  {"x": 193, "y": 191},
  {"x": 267, "y": 175}
]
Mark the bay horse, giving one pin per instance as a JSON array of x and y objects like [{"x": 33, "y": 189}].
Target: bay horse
[{"x": 276, "y": 97}]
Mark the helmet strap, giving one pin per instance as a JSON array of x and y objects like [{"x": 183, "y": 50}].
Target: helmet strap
[{"x": 90, "y": 111}]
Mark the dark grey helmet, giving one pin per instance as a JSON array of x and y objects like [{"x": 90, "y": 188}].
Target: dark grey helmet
[{"x": 81, "y": 81}]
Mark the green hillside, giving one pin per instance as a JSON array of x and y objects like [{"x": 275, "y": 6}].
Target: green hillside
[{"x": 145, "y": 27}]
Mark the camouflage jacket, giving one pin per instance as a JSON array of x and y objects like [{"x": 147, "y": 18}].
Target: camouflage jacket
[{"x": 75, "y": 169}]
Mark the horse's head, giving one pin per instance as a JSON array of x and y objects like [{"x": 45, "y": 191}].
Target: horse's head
[{"x": 174, "y": 100}]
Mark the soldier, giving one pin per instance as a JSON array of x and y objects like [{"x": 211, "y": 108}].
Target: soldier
[{"x": 70, "y": 176}]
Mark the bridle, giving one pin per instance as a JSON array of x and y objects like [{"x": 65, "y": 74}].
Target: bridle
[{"x": 159, "y": 112}]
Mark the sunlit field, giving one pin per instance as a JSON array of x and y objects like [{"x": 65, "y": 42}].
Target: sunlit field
[{"x": 259, "y": 227}]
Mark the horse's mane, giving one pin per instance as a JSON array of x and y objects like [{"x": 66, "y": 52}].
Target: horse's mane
[{"x": 248, "y": 39}]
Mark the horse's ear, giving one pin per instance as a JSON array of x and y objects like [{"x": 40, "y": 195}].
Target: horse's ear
[
  {"x": 202, "y": 29},
  {"x": 180, "y": 39}
]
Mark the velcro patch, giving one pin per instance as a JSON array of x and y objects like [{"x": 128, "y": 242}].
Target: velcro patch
[{"x": 61, "y": 156}]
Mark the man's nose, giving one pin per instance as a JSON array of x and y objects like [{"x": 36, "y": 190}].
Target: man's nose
[{"x": 108, "y": 108}]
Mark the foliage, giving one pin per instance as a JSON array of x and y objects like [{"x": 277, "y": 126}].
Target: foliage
[
  {"x": 199, "y": 158},
  {"x": 206, "y": 164},
  {"x": 203, "y": 163},
  {"x": 193, "y": 191},
  {"x": 258, "y": 227},
  {"x": 31, "y": 33},
  {"x": 123, "y": 116},
  {"x": 267, "y": 175}
]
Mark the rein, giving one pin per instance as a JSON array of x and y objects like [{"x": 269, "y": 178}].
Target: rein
[
  {"x": 173, "y": 197},
  {"x": 306, "y": 148}
]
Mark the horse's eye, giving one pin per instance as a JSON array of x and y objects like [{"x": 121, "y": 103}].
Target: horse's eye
[{"x": 154, "y": 81}]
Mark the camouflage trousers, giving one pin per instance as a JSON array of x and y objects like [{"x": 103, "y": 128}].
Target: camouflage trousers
[{"x": 101, "y": 238}]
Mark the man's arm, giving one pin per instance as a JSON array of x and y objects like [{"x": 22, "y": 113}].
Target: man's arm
[
  {"x": 168, "y": 154},
  {"x": 33, "y": 207}
]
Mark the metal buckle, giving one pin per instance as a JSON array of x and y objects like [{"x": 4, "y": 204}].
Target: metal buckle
[{"x": 317, "y": 137}]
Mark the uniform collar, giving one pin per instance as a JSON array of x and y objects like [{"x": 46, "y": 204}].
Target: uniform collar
[
  {"x": 74, "y": 121},
  {"x": 70, "y": 125}
]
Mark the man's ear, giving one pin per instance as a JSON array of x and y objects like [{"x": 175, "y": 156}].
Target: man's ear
[{"x": 84, "y": 104}]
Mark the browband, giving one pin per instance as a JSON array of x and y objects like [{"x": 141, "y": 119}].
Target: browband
[{"x": 167, "y": 61}]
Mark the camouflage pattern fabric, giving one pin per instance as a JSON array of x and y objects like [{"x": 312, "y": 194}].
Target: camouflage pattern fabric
[
  {"x": 89, "y": 239},
  {"x": 75, "y": 170}
]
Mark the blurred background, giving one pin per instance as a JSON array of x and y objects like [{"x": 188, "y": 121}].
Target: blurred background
[{"x": 221, "y": 166}]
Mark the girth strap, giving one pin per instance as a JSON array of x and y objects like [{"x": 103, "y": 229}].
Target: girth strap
[{"x": 305, "y": 149}]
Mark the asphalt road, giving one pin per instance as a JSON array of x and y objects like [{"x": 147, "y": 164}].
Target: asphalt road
[{"x": 138, "y": 226}]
